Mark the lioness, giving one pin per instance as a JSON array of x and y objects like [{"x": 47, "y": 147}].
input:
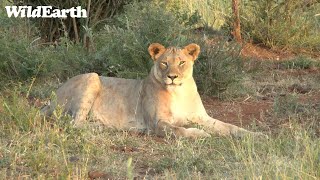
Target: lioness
[{"x": 165, "y": 102}]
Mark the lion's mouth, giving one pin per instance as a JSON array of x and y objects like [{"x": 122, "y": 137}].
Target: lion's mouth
[
  {"x": 170, "y": 82},
  {"x": 174, "y": 84}
]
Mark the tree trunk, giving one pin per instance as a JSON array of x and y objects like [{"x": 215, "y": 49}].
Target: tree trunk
[{"x": 236, "y": 23}]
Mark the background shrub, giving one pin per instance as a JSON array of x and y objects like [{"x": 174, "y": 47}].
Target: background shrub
[
  {"x": 22, "y": 59},
  {"x": 52, "y": 29},
  {"x": 125, "y": 43},
  {"x": 281, "y": 24},
  {"x": 219, "y": 66}
]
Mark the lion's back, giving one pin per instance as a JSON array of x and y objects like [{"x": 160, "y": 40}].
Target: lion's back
[{"x": 118, "y": 104}]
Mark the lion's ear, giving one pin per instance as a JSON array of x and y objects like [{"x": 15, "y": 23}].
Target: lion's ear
[
  {"x": 192, "y": 50},
  {"x": 156, "y": 50}
]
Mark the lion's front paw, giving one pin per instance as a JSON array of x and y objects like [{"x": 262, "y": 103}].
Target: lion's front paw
[{"x": 196, "y": 133}]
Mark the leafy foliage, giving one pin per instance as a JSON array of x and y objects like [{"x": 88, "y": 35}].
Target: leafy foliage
[
  {"x": 126, "y": 42},
  {"x": 218, "y": 67},
  {"x": 21, "y": 61},
  {"x": 24, "y": 56},
  {"x": 282, "y": 24},
  {"x": 52, "y": 29}
]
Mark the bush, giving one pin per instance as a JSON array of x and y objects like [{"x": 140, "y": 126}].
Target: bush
[
  {"x": 210, "y": 13},
  {"x": 15, "y": 59},
  {"x": 285, "y": 24},
  {"x": 52, "y": 29},
  {"x": 219, "y": 66},
  {"x": 21, "y": 59},
  {"x": 125, "y": 44}
]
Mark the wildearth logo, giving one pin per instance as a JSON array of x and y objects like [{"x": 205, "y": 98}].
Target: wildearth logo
[{"x": 45, "y": 12}]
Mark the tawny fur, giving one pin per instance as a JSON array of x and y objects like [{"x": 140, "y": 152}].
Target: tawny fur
[{"x": 165, "y": 102}]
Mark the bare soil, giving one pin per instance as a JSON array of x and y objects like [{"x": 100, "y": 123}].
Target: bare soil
[
  {"x": 259, "y": 52},
  {"x": 245, "y": 111},
  {"x": 240, "y": 113}
]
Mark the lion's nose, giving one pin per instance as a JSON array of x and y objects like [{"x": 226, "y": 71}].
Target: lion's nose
[{"x": 172, "y": 77}]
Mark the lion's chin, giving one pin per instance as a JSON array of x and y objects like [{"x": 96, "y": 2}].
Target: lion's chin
[{"x": 172, "y": 87}]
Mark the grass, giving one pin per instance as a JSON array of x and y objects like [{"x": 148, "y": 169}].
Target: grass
[
  {"x": 38, "y": 148},
  {"x": 299, "y": 63}
]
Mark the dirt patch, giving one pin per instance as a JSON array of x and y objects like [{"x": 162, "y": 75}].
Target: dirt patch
[
  {"x": 241, "y": 113},
  {"x": 244, "y": 113},
  {"x": 250, "y": 50},
  {"x": 260, "y": 52},
  {"x": 312, "y": 97},
  {"x": 99, "y": 175}
]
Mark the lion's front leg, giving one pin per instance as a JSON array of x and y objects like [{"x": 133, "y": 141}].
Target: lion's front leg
[
  {"x": 218, "y": 127},
  {"x": 164, "y": 128}
]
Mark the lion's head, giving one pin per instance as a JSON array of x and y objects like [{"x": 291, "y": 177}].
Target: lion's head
[{"x": 173, "y": 65}]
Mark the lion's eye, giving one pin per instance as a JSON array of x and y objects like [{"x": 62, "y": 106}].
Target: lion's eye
[
  {"x": 182, "y": 63},
  {"x": 164, "y": 63}
]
